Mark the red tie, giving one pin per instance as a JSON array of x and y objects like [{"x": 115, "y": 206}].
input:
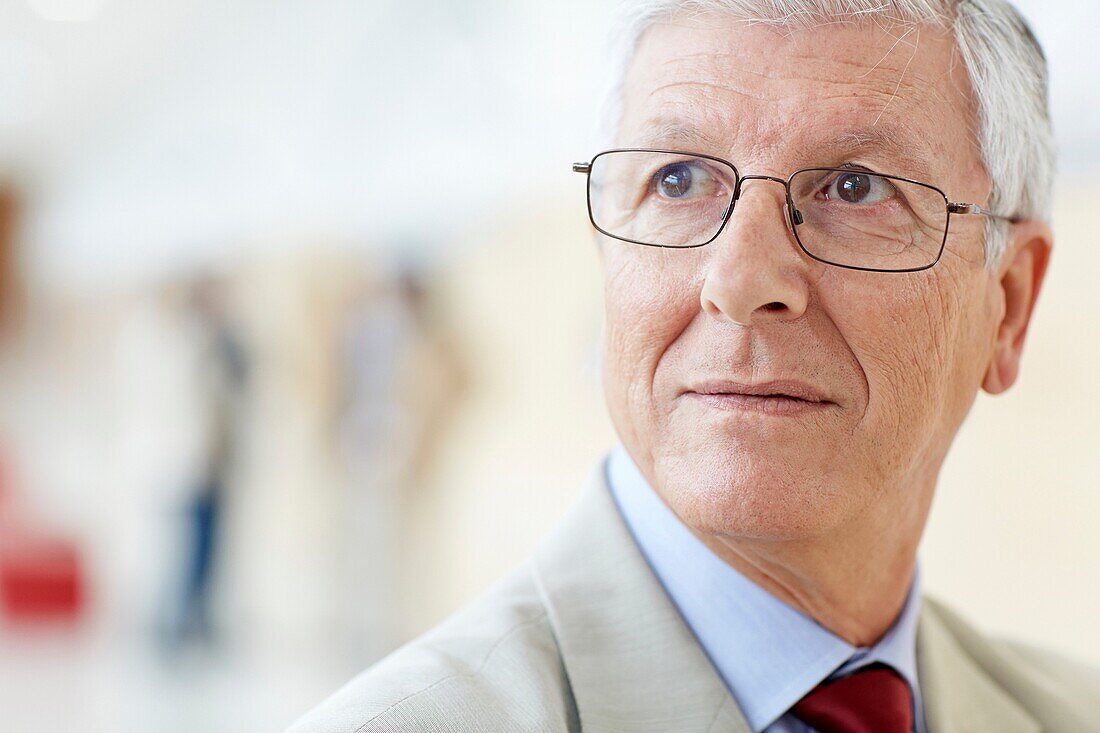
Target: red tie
[{"x": 875, "y": 699}]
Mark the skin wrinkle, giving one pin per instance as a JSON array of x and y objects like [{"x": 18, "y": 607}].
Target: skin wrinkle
[
  {"x": 824, "y": 510},
  {"x": 824, "y": 82}
]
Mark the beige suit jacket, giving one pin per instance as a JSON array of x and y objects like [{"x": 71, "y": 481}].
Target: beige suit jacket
[{"x": 583, "y": 637}]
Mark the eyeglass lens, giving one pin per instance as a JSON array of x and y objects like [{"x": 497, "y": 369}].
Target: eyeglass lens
[{"x": 848, "y": 217}]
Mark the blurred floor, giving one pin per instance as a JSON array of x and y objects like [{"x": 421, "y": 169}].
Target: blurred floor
[{"x": 119, "y": 684}]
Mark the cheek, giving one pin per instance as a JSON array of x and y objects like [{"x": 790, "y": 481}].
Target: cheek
[
  {"x": 650, "y": 296},
  {"x": 906, "y": 338}
]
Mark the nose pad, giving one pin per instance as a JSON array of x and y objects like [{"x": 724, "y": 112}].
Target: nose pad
[
  {"x": 729, "y": 210},
  {"x": 793, "y": 216}
]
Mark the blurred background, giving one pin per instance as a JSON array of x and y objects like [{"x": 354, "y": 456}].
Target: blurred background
[{"x": 299, "y": 325}]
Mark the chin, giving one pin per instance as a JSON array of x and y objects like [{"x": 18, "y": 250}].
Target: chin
[{"x": 751, "y": 496}]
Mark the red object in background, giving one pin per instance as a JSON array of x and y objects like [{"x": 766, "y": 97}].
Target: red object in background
[{"x": 40, "y": 576}]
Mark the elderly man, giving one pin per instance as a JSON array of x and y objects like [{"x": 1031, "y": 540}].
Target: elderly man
[{"x": 822, "y": 229}]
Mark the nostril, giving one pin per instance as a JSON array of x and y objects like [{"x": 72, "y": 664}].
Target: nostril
[{"x": 775, "y": 305}]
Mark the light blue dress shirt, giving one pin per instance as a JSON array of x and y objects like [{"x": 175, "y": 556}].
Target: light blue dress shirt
[{"x": 768, "y": 654}]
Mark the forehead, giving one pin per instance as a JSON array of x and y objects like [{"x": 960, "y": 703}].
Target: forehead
[{"x": 773, "y": 95}]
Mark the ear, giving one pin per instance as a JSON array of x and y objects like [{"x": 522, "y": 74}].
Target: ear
[{"x": 1020, "y": 275}]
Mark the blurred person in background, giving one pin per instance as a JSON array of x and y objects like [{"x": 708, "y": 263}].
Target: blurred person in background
[
  {"x": 823, "y": 228},
  {"x": 222, "y": 385}
]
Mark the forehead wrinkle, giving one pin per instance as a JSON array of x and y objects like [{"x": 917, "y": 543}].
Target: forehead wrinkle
[
  {"x": 888, "y": 90},
  {"x": 910, "y": 86},
  {"x": 712, "y": 87}
]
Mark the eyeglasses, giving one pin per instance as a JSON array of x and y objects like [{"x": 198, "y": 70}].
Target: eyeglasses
[{"x": 849, "y": 216}]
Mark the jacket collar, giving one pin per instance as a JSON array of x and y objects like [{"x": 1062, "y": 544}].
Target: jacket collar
[
  {"x": 631, "y": 662},
  {"x": 959, "y": 694}
]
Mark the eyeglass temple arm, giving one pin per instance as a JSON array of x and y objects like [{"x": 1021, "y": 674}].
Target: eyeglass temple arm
[
  {"x": 975, "y": 209},
  {"x": 582, "y": 167}
]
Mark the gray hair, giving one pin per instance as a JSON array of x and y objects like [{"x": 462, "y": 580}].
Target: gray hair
[{"x": 1005, "y": 63}]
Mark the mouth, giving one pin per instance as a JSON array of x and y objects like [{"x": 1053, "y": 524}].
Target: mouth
[{"x": 770, "y": 398}]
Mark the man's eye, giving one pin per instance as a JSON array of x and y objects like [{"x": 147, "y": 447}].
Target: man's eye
[
  {"x": 685, "y": 179},
  {"x": 859, "y": 188}
]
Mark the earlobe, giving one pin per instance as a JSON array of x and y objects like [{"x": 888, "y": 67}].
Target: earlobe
[
  {"x": 995, "y": 380},
  {"x": 1020, "y": 278}
]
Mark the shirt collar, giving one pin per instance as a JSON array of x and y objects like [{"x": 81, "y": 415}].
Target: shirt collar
[{"x": 768, "y": 654}]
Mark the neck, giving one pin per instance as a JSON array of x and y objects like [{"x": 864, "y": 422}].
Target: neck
[{"x": 854, "y": 581}]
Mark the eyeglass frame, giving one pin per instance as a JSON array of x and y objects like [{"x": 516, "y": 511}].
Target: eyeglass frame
[{"x": 959, "y": 208}]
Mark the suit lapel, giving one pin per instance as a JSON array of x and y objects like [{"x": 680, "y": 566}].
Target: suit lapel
[
  {"x": 959, "y": 695},
  {"x": 632, "y": 663}
]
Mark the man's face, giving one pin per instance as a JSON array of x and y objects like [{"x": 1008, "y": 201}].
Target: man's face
[{"x": 897, "y": 357}]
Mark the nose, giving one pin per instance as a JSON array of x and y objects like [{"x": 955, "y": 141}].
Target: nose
[{"x": 755, "y": 273}]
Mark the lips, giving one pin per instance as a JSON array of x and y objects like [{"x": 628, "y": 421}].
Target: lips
[{"x": 784, "y": 389}]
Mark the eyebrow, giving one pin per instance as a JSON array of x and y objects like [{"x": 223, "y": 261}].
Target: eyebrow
[
  {"x": 663, "y": 131},
  {"x": 887, "y": 141}
]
